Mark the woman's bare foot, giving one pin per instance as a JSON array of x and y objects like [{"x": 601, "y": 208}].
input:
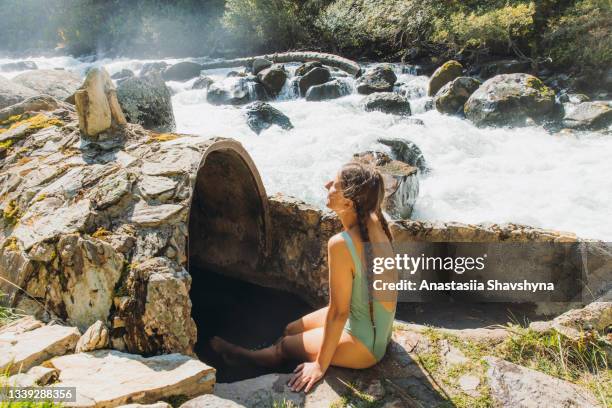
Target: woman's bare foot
[{"x": 229, "y": 351}]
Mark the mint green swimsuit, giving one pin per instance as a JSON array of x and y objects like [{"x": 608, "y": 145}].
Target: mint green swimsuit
[{"x": 374, "y": 336}]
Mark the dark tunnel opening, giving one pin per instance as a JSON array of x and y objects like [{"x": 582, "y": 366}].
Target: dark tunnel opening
[{"x": 228, "y": 245}]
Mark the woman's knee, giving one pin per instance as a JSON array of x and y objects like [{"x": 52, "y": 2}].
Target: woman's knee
[{"x": 292, "y": 328}]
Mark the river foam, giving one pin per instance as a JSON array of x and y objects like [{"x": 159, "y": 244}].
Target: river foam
[{"x": 522, "y": 175}]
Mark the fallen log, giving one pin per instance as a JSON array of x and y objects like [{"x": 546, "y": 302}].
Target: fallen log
[{"x": 332, "y": 60}]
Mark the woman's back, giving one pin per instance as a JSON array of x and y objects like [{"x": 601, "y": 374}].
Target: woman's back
[{"x": 373, "y": 326}]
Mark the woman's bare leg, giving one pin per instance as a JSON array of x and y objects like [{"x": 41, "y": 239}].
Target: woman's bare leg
[
  {"x": 307, "y": 322},
  {"x": 350, "y": 353}
]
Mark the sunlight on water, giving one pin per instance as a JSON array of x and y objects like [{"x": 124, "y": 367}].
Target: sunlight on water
[{"x": 523, "y": 175}]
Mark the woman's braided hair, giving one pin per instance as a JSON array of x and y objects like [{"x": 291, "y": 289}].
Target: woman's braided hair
[{"x": 363, "y": 185}]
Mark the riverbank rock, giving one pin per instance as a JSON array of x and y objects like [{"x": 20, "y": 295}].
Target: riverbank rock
[
  {"x": 444, "y": 74},
  {"x": 203, "y": 82},
  {"x": 307, "y": 66},
  {"x": 387, "y": 102},
  {"x": 60, "y": 84},
  {"x": 18, "y": 66},
  {"x": 27, "y": 342},
  {"x": 329, "y": 90},
  {"x": 12, "y": 92},
  {"x": 491, "y": 69},
  {"x": 146, "y": 100},
  {"x": 273, "y": 78},
  {"x": 510, "y": 100},
  {"x": 401, "y": 183},
  {"x": 110, "y": 378},
  {"x": 573, "y": 323},
  {"x": 314, "y": 76},
  {"x": 97, "y": 104},
  {"x": 94, "y": 338},
  {"x": 34, "y": 104},
  {"x": 379, "y": 79},
  {"x": 406, "y": 151},
  {"x": 516, "y": 386},
  {"x": 588, "y": 116},
  {"x": 182, "y": 71},
  {"x": 452, "y": 96},
  {"x": 261, "y": 116}
]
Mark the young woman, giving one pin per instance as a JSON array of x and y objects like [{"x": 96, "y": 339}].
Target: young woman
[{"x": 354, "y": 330}]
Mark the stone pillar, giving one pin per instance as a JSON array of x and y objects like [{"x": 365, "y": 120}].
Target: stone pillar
[{"x": 97, "y": 104}]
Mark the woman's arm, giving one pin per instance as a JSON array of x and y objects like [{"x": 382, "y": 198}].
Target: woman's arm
[{"x": 340, "y": 288}]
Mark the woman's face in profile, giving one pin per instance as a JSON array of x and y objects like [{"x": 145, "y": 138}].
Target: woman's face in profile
[{"x": 335, "y": 198}]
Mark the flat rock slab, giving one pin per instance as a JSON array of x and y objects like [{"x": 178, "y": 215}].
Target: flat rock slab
[
  {"x": 27, "y": 343},
  {"x": 516, "y": 386},
  {"x": 108, "y": 378}
]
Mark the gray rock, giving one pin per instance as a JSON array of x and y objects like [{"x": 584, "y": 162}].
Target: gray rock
[
  {"x": 379, "y": 79},
  {"x": 152, "y": 215},
  {"x": 510, "y": 100},
  {"x": 314, "y": 76},
  {"x": 12, "y": 92},
  {"x": 18, "y": 66},
  {"x": 182, "y": 71},
  {"x": 444, "y": 74},
  {"x": 491, "y": 69},
  {"x": 588, "y": 116},
  {"x": 124, "y": 73},
  {"x": 58, "y": 84},
  {"x": 407, "y": 152},
  {"x": 307, "y": 66},
  {"x": 150, "y": 67},
  {"x": 452, "y": 96},
  {"x": 261, "y": 116},
  {"x": 259, "y": 64},
  {"x": 32, "y": 104},
  {"x": 329, "y": 90},
  {"x": 203, "y": 82},
  {"x": 157, "y": 187},
  {"x": 516, "y": 386},
  {"x": 273, "y": 78},
  {"x": 387, "y": 102},
  {"x": 146, "y": 100},
  {"x": 238, "y": 94},
  {"x": 25, "y": 344}
]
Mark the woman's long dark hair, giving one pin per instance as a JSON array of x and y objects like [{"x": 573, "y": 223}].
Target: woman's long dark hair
[{"x": 363, "y": 185}]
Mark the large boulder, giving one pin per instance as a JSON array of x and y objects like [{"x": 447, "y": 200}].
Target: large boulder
[
  {"x": 510, "y": 100},
  {"x": 307, "y": 66},
  {"x": 379, "y": 79},
  {"x": 444, "y": 74},
  {"x": 124, "y": 73},
  {"x": 60, "y": 84},
  {"x": 149, "y": 67},
  {"x": 97, "y": 104},
  {"x": 387, "y": 102},
  {"x": 329, "y": 90},
  {"x": 315, "y": 76},
  {"x": 273, "y": 78},
  {"x": 490, "y": 69},
  {"x": 241, "y": 92},
  {"x": 18, "y": 66},
  {"x": 400, "y": 180},
  {"x": 259, "y": 64},
  {"x": 261, "y": 116},
  {"x": 452, "y": 96},
  {"x": 12, "y": 92},
  {"x": 146, "y": 100},
  {"x": 406, "y": 151},
  {"x": 588, "y": 115},
  {"x": 182, "y": 71}
]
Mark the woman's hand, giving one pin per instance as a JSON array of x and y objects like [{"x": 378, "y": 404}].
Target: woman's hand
[{"x": 306, "y": 375}]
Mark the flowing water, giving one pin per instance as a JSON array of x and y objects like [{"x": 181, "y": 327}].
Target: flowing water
[{"x": 523, "y": 175}]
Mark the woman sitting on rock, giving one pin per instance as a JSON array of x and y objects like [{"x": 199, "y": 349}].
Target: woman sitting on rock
[{"x": 354, "y": 330}]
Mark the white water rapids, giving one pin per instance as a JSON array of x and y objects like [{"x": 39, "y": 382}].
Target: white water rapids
[{"x": 523, "y": 175}]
